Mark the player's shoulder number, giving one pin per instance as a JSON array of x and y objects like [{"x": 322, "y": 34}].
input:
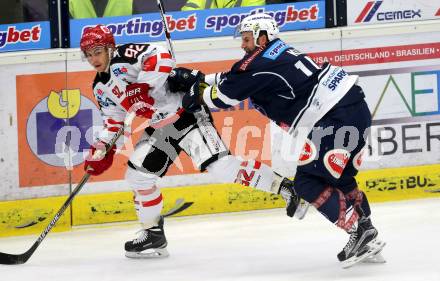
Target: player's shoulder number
[
  {"x": 300, "y": 65},
  {"x": 133, "y": 50}
]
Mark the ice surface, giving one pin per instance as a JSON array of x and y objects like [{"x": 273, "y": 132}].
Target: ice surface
[{"x": 260, "y": 245}]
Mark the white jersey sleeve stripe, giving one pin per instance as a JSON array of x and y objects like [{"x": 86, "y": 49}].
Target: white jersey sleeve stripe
[
  {"x": 207, "y": 97},
  {"x": 225, "y": 99}
]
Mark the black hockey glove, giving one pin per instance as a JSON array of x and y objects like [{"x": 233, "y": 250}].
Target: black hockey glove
[
  {"x": 181, "y": 79},
  {"x": 193, "y": 99}
]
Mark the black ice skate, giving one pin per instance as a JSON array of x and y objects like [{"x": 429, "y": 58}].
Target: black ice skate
[
  {"x": 151, "y": 243},
  {"x": 376, "y": 258},
  {"x": 295, "y": 206},
  {"x": 362, "y": 245}
]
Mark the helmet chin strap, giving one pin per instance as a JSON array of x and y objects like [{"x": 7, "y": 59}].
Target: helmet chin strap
[{"x": 110, "y": 56}]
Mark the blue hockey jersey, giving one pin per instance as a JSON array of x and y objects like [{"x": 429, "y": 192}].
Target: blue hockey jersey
[{"x": 283, "y": 84}]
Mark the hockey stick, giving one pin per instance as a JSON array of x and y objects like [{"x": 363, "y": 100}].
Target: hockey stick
[
  {"x": 165, "y": 27},
  {"x": 22, "y": 258},
  {"x": 179, "y": 206}
]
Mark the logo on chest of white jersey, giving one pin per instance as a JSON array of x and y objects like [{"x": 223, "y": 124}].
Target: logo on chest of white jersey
[{"x": 120, "y": 71}]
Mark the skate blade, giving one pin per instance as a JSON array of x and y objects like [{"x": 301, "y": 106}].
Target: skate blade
[
  {"x": 148, "y": 254},
  {"x": 301, "y": 211},
  {"x": 377, "y": 258},
  {"x": 374, "y": 247}
]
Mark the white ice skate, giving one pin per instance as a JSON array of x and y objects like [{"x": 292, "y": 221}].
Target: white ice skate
[{"x": 302, "y": 209}]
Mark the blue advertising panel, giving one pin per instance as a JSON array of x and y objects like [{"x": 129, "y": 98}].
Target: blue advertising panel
[
  {"x": 25, "y": 36},
  {"x": 201, "y": 23}
]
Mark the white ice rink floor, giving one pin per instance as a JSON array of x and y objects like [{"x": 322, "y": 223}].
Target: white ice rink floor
[{"x": 260, "y": 245}]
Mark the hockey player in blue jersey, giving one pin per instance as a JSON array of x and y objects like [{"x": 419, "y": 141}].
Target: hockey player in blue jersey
[{"x": 314, "y": 104}]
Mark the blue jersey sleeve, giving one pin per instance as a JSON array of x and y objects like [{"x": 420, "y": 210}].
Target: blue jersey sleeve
[{"x": 233, "y": 87}]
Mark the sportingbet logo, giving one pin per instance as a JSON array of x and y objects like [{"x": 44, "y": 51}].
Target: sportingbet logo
[
  {"x": 12, "y": 35},
  {"x": 153, "y": 28},
  {"x": 370, "y": 11},
  {"x": 288, "y": 15}
]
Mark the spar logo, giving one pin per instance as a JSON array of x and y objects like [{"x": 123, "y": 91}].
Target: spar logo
[
  {"x": 61, "y": 127},
  {"x": 13, "y": 35},
  {"x": 370, "y": 11}
]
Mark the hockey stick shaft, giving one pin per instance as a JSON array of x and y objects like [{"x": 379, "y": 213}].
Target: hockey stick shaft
[
  {"x": 165, "y": 27},
  {"x": 22, "y": 258}
]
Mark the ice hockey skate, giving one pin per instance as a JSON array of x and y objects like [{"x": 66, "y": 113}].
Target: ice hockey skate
[
  {"x": 363, "y": 246},
  {"x": 376, "y": 258},
  {"x": 295, "y": 206},
  {"x": 302, "y": 209},
  {"x": 151, "y": 243}
]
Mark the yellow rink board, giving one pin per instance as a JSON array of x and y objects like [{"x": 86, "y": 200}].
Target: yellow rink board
[
  {"x": 30, "y": 216},
  {"x": 23, "y": 217}
]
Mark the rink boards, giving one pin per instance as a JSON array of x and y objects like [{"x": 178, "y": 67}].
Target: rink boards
[{"x": 31, "y": 216}]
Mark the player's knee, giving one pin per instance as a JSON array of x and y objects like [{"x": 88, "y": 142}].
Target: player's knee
[
  {"x": 140, "y": 180},
  {"x": 224, "y": 169},
  {"x": 308, "y": 187}
]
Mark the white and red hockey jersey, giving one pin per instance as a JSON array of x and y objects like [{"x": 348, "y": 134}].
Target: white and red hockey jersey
[{"x": 136, "y": 63}]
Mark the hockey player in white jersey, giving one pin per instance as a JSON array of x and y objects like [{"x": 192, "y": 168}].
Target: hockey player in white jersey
[
  {"x": 313, "y": 104},
  {"x": 133, "y": 77}
]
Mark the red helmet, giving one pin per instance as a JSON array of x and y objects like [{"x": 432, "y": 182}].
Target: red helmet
[{"x": 97, "y": 36}]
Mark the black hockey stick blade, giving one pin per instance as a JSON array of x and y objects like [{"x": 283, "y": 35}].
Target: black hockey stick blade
[
  {"x": 18, "y": 259},
  {"x": 13, "y": 259},
  {"x": 31, "y": 223},
  {"x": 178, "y": 209}
]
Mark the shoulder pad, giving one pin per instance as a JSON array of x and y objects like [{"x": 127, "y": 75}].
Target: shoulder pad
[{"x": 128, "y": 53}]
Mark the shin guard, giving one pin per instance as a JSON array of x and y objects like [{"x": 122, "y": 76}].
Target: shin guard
[{"x": 333, "y": 205}]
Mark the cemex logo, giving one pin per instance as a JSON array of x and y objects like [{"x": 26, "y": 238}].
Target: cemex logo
[
  {"x": 371, "y": 10},
  {"x": 12, "y": 35}
]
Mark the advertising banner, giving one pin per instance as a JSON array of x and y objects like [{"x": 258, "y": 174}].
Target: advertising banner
[
  {"x": 403, "y": 94},
  {"x": 201, "y": 23},
  {"x": 371, "y": 12},
  {"x": 24, "y": 36}
]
